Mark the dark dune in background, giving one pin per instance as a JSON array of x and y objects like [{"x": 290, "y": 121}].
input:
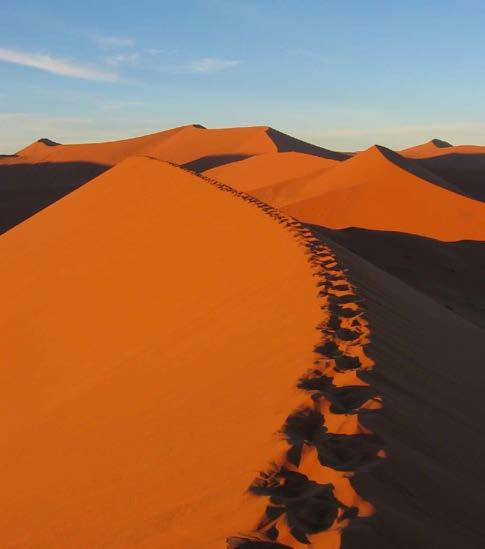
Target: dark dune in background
[
  {"x": 429, "y": 371},
  {"x": 465, "y": 171},
  {"x": 450, "y": 272},
  {"x": 462, "y": 165}
]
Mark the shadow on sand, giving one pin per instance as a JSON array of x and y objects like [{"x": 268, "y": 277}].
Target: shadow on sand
[
  {"x": 26, "y": 189},
  {"x": 450, "y": 272},
  {"x": 207, "y": 162}
]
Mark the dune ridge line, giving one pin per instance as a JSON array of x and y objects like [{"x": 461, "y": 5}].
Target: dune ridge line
[{"x": 311, "y": 498}]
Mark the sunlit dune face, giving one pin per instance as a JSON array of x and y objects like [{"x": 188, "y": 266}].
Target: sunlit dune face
[
  {"x": 152, "y": 354},
  {"x": 374, "y": 192},
  {"x": 258, "y": 174}
]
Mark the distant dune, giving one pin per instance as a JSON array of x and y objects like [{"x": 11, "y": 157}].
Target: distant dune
[
  {"x": 45, "y": 171},
  {"x": 271, "y": 169},
  {"x": 379, "y": 189},
  {"x": 430, "y": 148},
  {"x": 183, "y": 145},
  {"x": 463, "y": 165}
]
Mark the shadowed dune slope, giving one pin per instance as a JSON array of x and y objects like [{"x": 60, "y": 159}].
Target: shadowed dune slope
[
  {"x": 450, "y": 272},
  {"x": 379, "y": 189},
  {"x": 463, "y": 165},
  {"x": 26, "y": 188},
  {"x": 152, "y": 332},
  {"x": 258, "y": 172},
  {"x": 464, "y": 170},
  {"x": 429, "y": 370}
]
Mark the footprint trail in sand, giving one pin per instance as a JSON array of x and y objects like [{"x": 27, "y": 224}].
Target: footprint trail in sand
[{"x": 309, "y": 491}]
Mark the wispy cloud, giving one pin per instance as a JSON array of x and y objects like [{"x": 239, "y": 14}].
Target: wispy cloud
[
  {"x": 128, "y": 58},
  {"x": 113, "y": 42},
  {"x": 56, "y": 65},
  {"x": 160, "y": 51},
  {"x": 207, "y": 65}
]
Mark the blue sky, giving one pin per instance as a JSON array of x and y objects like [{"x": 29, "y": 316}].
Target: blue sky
[{"x": 341, "y": 74}]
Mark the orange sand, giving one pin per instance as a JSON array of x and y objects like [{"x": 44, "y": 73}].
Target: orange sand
[
  {"x": 436, "y": 148},
  {"x": 372, "y": 191},
  {"x": 146, "y": 326},
  {"x": 256, "y": 173},
  {"x": 179, "y": 145}
]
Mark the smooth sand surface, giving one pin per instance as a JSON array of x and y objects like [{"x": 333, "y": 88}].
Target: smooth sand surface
[
  {"x": 379, "y": 190},
  {"x": 260, "y": 172},
  {"x": 151, "y": 348}
]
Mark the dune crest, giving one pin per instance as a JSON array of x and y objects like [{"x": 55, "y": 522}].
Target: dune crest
[
  {"x": 379, "y": 189},
  {"x": 182, "y": 145},
  {"x": 143, "y": 297},
  {"x": 430, "y": 148}
]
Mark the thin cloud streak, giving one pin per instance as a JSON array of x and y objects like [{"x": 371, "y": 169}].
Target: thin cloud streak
[
  {"x": 56, "y": 65},
  {"x": 207, "y": 65}
]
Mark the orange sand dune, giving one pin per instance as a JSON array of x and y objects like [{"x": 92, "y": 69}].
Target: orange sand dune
[
  {"x": 45, "y": 171},
  {"x": 462, "y": 165},
  {"x": 261, "y": 171},
  {"x": 430, "y": 148},
  {"x": 183, "y": 145},
  {"x": 436, "y": 147},
  {"x": 378, "y": 189},
  {"x": 151, "y": 349}
]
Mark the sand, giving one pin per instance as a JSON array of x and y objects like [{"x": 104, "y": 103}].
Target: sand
[
  {"x": 152, "y": 351},
  {"x": 45, "y": 171},
  {"x": 380, "y": 190},
  {"x": 429, "y": 371},
  {"x": 186, "y": 366},
  {"x": 278, "y": 179},
  {"x": 190, "y": 144}
]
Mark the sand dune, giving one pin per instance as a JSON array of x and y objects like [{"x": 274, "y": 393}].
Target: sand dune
[
  {"x": 437, "y": 147},
  {"x": 379, "y": 189},
  {"x": 45, "y": 171},
  {"x": 449, "y": 272},
  {"x": 182, "y": 145},
  {"x": 185, "y": 366},
  {"x": 462, "y": 165},
  {"x": 430, "y": 148},
  {"x": 151, "y": 352},
  {"x": 429, "y": 370},
  {"x": 259, "y": 172}
]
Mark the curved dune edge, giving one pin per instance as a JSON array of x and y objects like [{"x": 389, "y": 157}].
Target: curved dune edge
[{"x": 310, "y": 498}]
